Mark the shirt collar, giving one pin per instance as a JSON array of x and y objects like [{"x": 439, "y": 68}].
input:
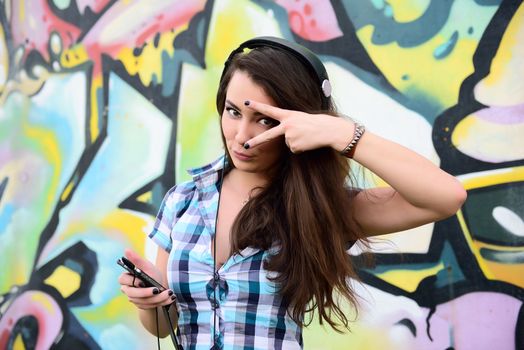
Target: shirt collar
[
  {"x": 208, "y": 174},
  {"x": 214, "y": 166}
]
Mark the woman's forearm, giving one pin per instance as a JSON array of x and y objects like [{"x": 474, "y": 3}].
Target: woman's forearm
[{"x": 415, "y": 178}]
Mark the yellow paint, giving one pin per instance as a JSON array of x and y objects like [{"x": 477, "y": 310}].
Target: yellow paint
[
  {"x": 321, "y": 337},
  {"x": 67, "y": 191},
  {"x": 463, "y": 130},
  {"x": 18, "y": 344},
  {"x": 65, "y": 280},
  {"x": 409, "y": 280},
  {"x": 73, "y": 228},
  {"x": 25, "y": 86},
  {"x": 74, "y": 57},
  {"x": 510, "y": 43},
  {"x": 483, "y": 139},
  {"x": 44, "y": 301},
  {"x": 110, "y": 312},
  {"x": 405, "y": 11},
  {"x": 121, "y": 221},
  {"x": 22, "y": 10},
  {"x": 149, "y": 62},
  {"x": 492, "y": 177},
  {"x": 94, "y": 118},
  {"x": 474, "y": 249},
  {"x": 442, "y": 82},
  {"x": 146, "y": 197},
  {"x": 510, "y": 273},
  {"x": 48, "y": 146},
  {"x": 129, "y": 224},
  {"x": 230, "y": 26}
]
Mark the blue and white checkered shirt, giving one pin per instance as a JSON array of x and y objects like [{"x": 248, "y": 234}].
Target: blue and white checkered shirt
[{"x": 250, "y": 314}]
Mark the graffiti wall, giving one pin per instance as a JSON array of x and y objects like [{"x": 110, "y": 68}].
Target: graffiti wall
[{"x": 105, "y": 103}]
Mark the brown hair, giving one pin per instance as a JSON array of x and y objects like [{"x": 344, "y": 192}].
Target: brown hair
[{"x": 306, "y": 209}]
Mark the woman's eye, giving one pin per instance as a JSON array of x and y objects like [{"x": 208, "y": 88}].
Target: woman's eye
[
  {"x": 268, "y": 122},
  {"x": 232, "y": 112}
]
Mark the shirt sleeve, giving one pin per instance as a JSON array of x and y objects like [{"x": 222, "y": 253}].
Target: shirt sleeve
[{"x": 173, "y": 205}]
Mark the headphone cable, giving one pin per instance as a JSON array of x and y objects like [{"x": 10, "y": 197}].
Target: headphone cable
[{"x": 215, "y": 272}]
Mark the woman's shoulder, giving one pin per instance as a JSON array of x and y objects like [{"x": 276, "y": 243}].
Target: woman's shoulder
[
  {"x": 200, "y": 177},
  {"x": 180, "y": 192}
]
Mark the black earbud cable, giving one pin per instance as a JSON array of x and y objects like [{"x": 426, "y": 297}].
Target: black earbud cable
[{"x": 215, "y": 272}]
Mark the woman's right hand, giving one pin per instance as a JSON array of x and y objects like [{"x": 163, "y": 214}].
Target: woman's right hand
[{"x": 144, "y": 297}]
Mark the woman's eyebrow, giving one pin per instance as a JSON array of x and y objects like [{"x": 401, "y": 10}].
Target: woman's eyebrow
[{"x": 231, "y": 104}]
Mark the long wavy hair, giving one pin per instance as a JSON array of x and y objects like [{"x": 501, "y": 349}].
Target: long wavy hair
[{"x": 305, "y": 210}]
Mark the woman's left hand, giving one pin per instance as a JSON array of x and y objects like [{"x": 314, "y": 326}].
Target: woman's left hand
[{"x": 302, "y": 131}]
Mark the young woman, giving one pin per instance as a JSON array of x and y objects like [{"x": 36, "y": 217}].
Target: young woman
[{"x": 259, "y": 237}]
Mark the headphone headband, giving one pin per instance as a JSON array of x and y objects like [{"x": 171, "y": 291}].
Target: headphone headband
[{"x": 306, "y": 56}]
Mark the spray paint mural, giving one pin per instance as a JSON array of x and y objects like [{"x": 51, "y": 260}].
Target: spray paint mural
[{"x": 105, "y": 103}]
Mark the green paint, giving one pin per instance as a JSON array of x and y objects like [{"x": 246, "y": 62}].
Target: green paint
[{"x": 62, "y": 4}]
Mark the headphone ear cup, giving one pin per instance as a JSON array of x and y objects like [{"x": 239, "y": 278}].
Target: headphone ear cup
[{"x": 303, "y": 54}]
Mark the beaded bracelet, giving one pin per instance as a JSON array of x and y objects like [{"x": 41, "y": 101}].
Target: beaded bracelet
[{"x": 349, "y": 150}]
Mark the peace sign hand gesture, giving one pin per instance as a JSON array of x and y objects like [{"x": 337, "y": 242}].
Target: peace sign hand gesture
[{"x": 302, "y": 131}]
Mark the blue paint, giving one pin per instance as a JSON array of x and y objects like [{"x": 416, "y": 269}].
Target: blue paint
[
  {"x": 387, "y": 30},
  {"x": 388, "y": 11},
  {"x": 405, "y": 77},
  {"x": 445, "y": 49},
  {"x": 169, "y": 74},
  {"x": 74, "y": 265},
  {"x": 488, "y": 2},
  {"x": 451, "y": 273},
  {"x": 5, "y": 217},
  {"x": 378, "y": 4}
]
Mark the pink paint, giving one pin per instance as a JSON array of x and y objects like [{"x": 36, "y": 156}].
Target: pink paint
[
  {"x": 312, "y": 20},
  {"x": 481, "y": 320},
  {"x": 502, "y": 115},
  {"x": 95, "y": 5},
  {"x": 49, "y": 317},
  {"x": 34, "y": 28},
  {"x": 132, "y": 23}
]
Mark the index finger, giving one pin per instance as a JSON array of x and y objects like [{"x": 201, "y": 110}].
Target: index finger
[
  {"x": 264, "y": 137},
  {"x": 267, "y": 110}
]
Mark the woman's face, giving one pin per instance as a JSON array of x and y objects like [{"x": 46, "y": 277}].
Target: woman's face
[{"x": 240, "y": 124}]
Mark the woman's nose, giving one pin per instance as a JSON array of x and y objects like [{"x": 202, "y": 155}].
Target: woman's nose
[{"x": 244, "y": 132}]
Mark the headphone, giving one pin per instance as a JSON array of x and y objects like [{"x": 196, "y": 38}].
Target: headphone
[{"x": 304, "y": 55}]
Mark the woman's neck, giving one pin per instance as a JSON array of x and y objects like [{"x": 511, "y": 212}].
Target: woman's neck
[{"x": 244, "y": 183}]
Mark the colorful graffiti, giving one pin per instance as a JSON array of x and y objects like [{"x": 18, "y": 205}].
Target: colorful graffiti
[{"x": 105, "y": 103}]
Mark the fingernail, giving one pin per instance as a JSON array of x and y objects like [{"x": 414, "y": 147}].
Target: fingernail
[
  {"x": 246, "y": 145},
  {"x": 246, "y": 102},
  {"x": 170, "y": 293},
  {"x": 173, "y": 297},
  {"x": 141, "y": 284},
  {"x": 156, "y": 291}
]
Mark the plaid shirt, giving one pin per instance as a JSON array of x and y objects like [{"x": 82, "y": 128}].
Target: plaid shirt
[{"x": 250, "y": 314}]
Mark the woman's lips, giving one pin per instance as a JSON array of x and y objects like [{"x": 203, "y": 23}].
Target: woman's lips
[{"x": 242, "y": 156}]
